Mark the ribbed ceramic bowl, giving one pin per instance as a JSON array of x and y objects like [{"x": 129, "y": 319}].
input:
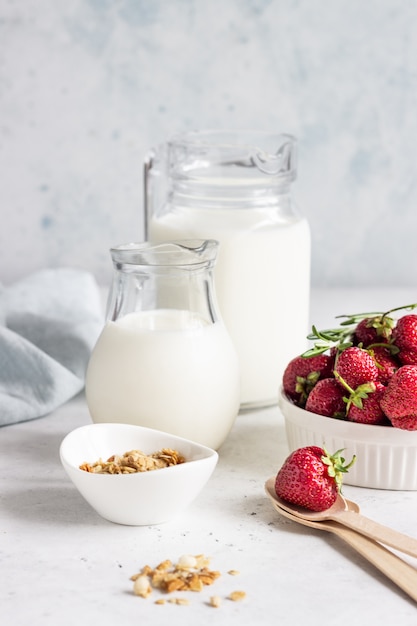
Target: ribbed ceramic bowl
[
  {"x": 142, "y": 498},
  {"x": 386, "y": 458}
]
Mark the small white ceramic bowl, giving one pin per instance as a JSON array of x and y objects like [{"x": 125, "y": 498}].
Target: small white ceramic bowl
[
  {"x": 386, "y": 458},
  {"x": 142, "y": 498}
]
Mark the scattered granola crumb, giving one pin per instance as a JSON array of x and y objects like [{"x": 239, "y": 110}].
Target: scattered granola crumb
[
  {"x": 215, "y": 601},
  {"x": 162, "y": 567},
  {"x": 141, "y": 586},
  {"x": 187, "y": 561},
  {"x": 236, "y": 596},
  {"x": 182, "y": 601},
  {"x": 190, "y": 573}
]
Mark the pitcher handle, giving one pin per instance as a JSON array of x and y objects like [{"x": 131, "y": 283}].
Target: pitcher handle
[{"x": 147, "y": 167}]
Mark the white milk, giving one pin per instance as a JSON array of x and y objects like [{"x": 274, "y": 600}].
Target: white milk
[
  {"x": 262, "y": 279},
  {"x": 168, "y": 370}
]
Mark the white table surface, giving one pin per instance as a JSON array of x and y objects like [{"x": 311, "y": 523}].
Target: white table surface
[{"x": 62, "y": 564}]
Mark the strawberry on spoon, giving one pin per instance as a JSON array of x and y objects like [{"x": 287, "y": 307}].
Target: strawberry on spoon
[
  {"x": 311, "y": 477},
  {"x": 308, "y": 485}
]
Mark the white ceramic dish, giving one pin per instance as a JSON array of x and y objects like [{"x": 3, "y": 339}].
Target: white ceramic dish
[
  {"x": 143, "y": 498},
  {"x": 386, "y": 457}
]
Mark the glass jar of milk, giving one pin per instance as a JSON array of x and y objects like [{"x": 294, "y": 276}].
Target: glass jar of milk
[
  {"x": 236, "y": 188},
  {"x": 164, "y": 359}
]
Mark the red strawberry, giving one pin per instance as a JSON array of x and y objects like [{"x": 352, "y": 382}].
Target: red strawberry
[
  {"x": 404, "y": 337},
  {"x": 376, "y": 329},
  {"x": 386, "y": 362},
  {"x": 326, "y": 398},
  {"x": 311, "y": 478},
  {"x": 356, "y": 366},
  {"x": 369, "y": 411},
  {"x": 399, "y": 401},
  {"x": 408, "y": 357},
  {"x": 302, "y": 373}
]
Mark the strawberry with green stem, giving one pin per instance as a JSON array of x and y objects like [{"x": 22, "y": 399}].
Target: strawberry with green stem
[
  {"x": 381, "y": 324},
  {"x": 356, "y": 367},
  {"x": 301, "y": 375},
  {"x": 363, "y": 404},
  {"x": 311, "y": 477}
]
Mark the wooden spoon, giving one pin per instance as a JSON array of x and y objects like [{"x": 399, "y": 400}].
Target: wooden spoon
[
  {"x": 397, "y": 570},
  {"x": 340, "y": 513}
]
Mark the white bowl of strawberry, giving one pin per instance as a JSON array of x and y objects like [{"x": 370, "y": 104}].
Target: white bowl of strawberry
[{"x": 356, "y": 389}]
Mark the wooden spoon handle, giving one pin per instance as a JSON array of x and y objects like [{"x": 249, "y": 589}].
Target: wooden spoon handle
[
  {"x": 399, "y": 571},
  {"x": 377, "y": 532}
]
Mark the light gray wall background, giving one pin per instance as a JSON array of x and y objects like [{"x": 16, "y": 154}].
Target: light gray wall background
[{"x": 88, "y": 86}]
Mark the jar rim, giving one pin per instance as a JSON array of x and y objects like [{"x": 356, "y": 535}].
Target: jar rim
[
  {"x": 178, "y": 252},
  {"x": 229, "y": 138}
]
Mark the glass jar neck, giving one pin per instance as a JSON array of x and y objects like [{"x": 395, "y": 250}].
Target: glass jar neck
[
  {"x": 173, "y": 275},
  {"x": 221, "y": 170},
  {"x": 230, "y": 194}
]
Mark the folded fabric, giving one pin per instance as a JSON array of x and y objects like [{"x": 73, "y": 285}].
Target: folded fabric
[{"x": 49, "y": 323}]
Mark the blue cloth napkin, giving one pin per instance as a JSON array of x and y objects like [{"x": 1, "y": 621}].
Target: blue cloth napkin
[{"x": 49, "y": 323}]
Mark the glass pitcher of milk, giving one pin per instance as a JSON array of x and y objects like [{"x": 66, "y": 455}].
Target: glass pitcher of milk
[
  {"x": 236, "y": 188},
  {"x": 164, "y": 359}
]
